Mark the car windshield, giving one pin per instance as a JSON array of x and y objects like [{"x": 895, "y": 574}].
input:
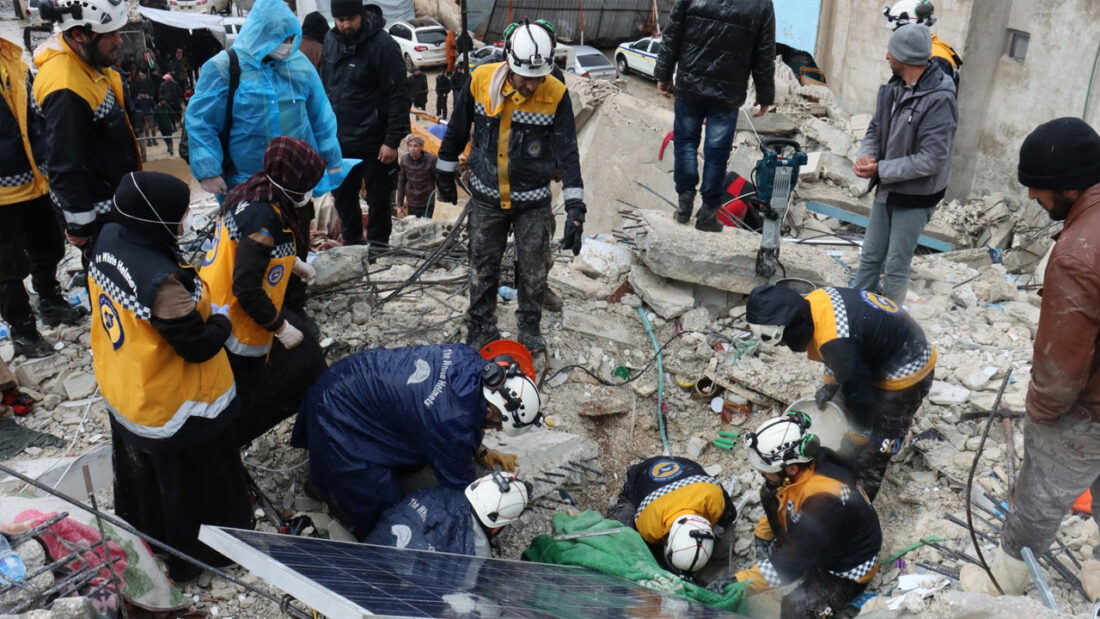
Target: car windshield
[
  {"x": 593, "y": 60},
  {"x": 432, "y": 36}
]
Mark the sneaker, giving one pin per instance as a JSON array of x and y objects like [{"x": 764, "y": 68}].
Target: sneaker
[
  {"x": 31, "y": 345},
  {"x": 551, "y": 302},
  {"x": 54, "y": 310}
]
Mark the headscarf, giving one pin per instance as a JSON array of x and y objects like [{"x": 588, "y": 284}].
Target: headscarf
[
  {"x": 152, "y": 204},
  {"x": 290, "y": 166}
]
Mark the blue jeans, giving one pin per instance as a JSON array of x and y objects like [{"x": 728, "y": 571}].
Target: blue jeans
[
  {"x": 687, "y": 130},
  {"x": 892, "y": 235}
]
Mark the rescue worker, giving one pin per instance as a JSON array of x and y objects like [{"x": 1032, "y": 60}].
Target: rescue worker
[
  {"x": 443, "y": 519},
  {"x": 675, "y": 506},
  {"x": 157, "y": 342},
  {"x": 248, "y": 267},
  {"x": 89, "y": 138},
  {"x": 875, "y": 355},
  {"x": 525, "y": 130},
  {"x": 906, "y": 12},
  {"x": 380, "y": 412},
  {"x": 31, "y": 242},
  {"x": 817, "y": 524}
]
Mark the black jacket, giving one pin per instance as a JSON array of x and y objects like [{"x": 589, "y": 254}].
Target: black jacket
[
  {"x": 365, "y": 81},
  {"x": 713, "y": 45},
  {"x": 442, "y": 83},
  {"x": 15, "y": 167},
  {"x": 418, "y": 85}
]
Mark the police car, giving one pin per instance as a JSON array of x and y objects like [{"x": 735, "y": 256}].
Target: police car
[{"x": 638, "y": 56}]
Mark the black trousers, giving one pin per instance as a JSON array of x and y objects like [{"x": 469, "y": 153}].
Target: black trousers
[
  {"x": 296, "y": 294},
  {"x": 821, "y": 594},
  {"x": 420, "y": 100},
  {"x": 380, "y": 179},
  {"x": 441, "y": 105},
  {"x": 31, "y": 243},
  {"x": 488, "y": 228}
]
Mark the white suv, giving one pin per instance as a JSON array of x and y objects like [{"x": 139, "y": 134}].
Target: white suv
[{"x": 422, "y": 42}]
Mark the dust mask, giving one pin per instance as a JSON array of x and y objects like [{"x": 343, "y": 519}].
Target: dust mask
[{"x": 282, "y": 52}]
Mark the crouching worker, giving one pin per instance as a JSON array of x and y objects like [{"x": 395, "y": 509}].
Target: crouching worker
[
  {"x": 158, "y": 343},
  {"x": 875, "y": 355},
  {"x": 817, "y": 524},
  {"x": 675, "y": 506},
  {"x": 382, "y": 412},
  {"x": 448, "y": 520},
  {"x": 274, "y": 358}
]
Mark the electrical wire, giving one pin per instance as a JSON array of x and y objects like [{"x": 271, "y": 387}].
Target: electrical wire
[
  {"x": 970, "y": 482},
  {"x": 652, "y": 360}
]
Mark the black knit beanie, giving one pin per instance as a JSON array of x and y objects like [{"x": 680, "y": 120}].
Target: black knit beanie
[
  {"x": 346, "y": 8},
  {"x": 1063, "y": 154},
  {"x": 315, "y": 26}
]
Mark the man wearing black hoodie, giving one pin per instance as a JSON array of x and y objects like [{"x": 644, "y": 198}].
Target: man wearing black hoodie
[{"x": 364, "y": 78}]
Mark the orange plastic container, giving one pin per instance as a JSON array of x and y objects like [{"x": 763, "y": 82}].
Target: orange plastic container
[
  {"x": 514, "y": 350},
  {"x": 1083, "y": 504}
]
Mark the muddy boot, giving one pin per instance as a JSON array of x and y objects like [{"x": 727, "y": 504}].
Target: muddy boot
[
  {"x": 28, "y": 342},
  {"x": 531, "y": 338},
  {"x": 478, "y": 338},
  {"x": 687, "y": 206},
  {"x": 551, "y": 302},
  {"x": 53, "y": 309},
  {"x": 707, "y": 219}
]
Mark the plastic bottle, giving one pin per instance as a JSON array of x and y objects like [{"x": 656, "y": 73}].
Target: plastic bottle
[
  {"x": 507, "y": 293},
  {"x": 11, "y": 566},
  {"x": 5, "y": 332}
]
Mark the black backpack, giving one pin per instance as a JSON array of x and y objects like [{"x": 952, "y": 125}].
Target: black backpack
[{"x": 234, "y": 81}]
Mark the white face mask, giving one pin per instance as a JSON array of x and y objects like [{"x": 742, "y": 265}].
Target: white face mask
[
  {"x": 283, "y": 51},
  {"x": 306, "y": 197}
]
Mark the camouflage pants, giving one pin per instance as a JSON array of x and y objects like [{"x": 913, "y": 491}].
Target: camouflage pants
[
  {"x": 488, "y": 228},
  {"x": 1060, "y": 462}
]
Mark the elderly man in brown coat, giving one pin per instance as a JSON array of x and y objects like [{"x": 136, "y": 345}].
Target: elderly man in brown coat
[{"x": 416, "y": 181}]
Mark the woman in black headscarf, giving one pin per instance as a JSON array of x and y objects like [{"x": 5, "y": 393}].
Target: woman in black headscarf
[{"x": 158, "y": 343}]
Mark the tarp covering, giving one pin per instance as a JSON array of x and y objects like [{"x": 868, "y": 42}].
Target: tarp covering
[
  {"x": 187, "y": 21},
  {"x": 392, "y": 10},
  {"x": 625, "y": 555}
]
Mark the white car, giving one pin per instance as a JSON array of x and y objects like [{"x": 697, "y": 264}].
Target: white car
[
  {"x": 590, "y": 62},
  {"x": 199, "y": 6},
  {"x": 422, "y": 42},
  {"x": 638, "y": 56},
  {"x": 232, "y": 27}
]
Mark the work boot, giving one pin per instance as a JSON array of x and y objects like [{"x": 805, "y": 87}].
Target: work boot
[
  {"x": 1090, "y": 579},
  {"x": 53, "y": 309},
  {"x": 707, "y": 219},
  {"x": 531, "y": 338},
  {"x": 687, "y": 206},
  {"x": 478, "y": 338},
  {"x": 1011, "y": 574},
  {"x": 29, "y": 343},
  {"x": 551, "y": 302}
]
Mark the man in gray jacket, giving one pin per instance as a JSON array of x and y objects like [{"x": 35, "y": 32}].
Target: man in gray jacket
[{"x": 907, "y": 154}]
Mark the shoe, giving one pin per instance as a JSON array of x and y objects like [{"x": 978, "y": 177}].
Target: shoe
[
  {"x": 54, "y": 310},
  {"x": 531, "y": 338},
  {"x": 1011, "y": 574},
  {"x": 707, "y": 219},
  {"x": 31, "y": 345},
  {"x": 478, "y": 338},
  {"x": 551, "y": 302},
  {"x": 687, "y": 206}
]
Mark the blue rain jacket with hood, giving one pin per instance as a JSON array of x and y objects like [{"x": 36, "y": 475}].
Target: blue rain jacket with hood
[
  {"x": 437, "y": 519},
  {"x": 274, "y": 98}
]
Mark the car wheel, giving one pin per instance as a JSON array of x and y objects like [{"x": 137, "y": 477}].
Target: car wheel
[
  {"x": 409, "y": 66},
  {"x": 620, "y": 62}
]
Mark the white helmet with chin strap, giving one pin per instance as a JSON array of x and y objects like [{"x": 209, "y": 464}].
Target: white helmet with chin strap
[
  {"x": 905, "y": 12},
  {"x": 690, "y": 543},
  {"x": 508, "y": 390},
  {"x": 101, "y": 16},
  {"x": 769, "y": 335},
  {"x": 498, "y": 498},
  {"x": 529, "y": 48},
  {"x": 782, "y": 440}
]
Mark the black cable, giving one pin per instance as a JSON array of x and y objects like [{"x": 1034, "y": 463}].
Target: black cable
[{"x": 970, "y": 482}]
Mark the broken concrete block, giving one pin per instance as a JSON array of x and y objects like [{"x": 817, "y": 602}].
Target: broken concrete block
[
  {"x": 417, "y": 232},
  {"x": 812, "y": 170},
  {"x": 602, "y": 259},
  {"x": 597, "y": 326},
  {"x": 543, "y": 451},
  {"x": 964, "y": 296},
  {"x": 975, "y": 377},
  {"x": 695, "y": 447},
  {"x": 697, "y": 319},
  {"x": 668, "y": 299},
  {"x": 725, "y": 260},
  {"x": 360, "y": 313},
  {"x": 34, "y": 373},
  {"x": 838, "y": 168},
  {"x": 768, "y": 124},
  {"x": 569, "y": 281},
  {"x": 831, "y": 137},
  {"x": 79, "y": 386},
  {"x": 339, "y": 265},
  {"x": 858, "y": 124},
  {"x": 1025, "y": 313},
  {"x": 946, "y": 394}
]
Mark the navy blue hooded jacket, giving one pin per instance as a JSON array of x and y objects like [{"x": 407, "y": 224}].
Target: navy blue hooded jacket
[{"x": 436, "y": 519}]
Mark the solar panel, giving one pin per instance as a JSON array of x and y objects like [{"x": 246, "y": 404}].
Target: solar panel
[{"x": 344, "y": 579}]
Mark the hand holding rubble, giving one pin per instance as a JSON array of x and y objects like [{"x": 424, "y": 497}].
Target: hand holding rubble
[
  {"x": 492, "y": 459},
  {"x": 289, "y": 335},
  {"x": 305, "y": 271}
]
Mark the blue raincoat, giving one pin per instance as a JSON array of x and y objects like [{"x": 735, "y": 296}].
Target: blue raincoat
[
  {"x": 384, "y": 409},
  {"x": 274, "y": 98},
  {"x": 436, "y": 519}
]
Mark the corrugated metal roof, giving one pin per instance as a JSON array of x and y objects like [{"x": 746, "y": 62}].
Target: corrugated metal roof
[{"x": 606, "y": 22}]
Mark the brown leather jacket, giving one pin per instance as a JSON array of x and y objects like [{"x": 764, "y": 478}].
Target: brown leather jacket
[
  {"x": 416, "y": 180},
  {"x": 312, "y": 50},
  {"x": 1065, "y": 370}
]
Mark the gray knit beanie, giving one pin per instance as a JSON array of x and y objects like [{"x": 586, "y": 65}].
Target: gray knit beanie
[{"x": 911, "y": 44}]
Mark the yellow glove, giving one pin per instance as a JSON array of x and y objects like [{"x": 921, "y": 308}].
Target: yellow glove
[{"x": 493, "y": 459}]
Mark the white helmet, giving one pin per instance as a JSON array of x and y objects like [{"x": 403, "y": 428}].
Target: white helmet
[
  {"x": 529, "y": 48},
  {"x": 905, "y": 12},
  {"x": 498, "y": 498},
  {"x": 782, "y": 440},
  {"x": 690, "y": 543},
  {"x": 508, "y": 390},
  {"x": 102, "y": 16},
  {"x": 769, "y": 335}
]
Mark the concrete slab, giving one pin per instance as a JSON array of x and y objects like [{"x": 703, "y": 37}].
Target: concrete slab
[
  {"x": 668, "y": 299},
  {"x": 568, "y": 281},
  {"x": 544, "y": 455},
  {"x": 597, "y": 326},
  {"x": 339, "y": 265},
  {"x": 603, "y": 259},
  {"x": 725, "y": 260},
  {"x": 768, "y": 124},
  {"x": 838, "y": 169},
  {"x": 64, "y": 474}
]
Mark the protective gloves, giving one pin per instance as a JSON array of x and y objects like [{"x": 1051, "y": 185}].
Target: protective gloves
[
  {"x": 719, "y": 586},
  {"x": 826, "y": 393},
  {"x": 574, "y": 225},
  {"x": 492, "y": 459},
  {"x": 445, "y": 189},
  {"x": 289, "y": 335},
  {"x": 305, "y": 271},
  {"x": 214, "y": 184},
  {"x": 762, "y": 547}
]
